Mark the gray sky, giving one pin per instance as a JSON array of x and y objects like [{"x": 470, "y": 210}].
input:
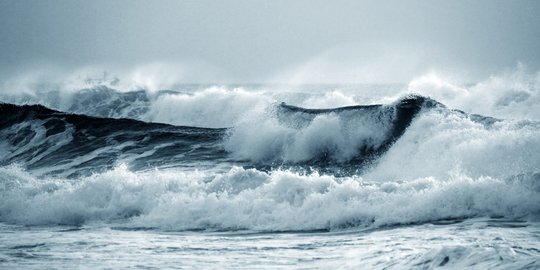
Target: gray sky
[{"x": 272, "y": 41}]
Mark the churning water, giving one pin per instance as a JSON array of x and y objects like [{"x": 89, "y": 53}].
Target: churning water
[{"x": 371, "y": 176}]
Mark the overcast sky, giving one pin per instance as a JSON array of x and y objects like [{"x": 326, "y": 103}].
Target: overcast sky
[{"x": 272, "y": 41}]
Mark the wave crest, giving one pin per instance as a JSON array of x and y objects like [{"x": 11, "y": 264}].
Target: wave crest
[{"x": 347, "y": 134}]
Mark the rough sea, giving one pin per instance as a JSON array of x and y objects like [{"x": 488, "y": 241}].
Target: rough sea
[{"x": 416, "y": 176}]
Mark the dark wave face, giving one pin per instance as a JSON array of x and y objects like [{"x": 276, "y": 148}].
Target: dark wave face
[
  {"x": 338, "y": 141},
  {"x": 50, "y": 141},
  {"x": 391, "y": 120}
]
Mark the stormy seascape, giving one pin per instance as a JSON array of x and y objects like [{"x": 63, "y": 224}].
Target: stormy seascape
[{"x": 269, "y": 134}]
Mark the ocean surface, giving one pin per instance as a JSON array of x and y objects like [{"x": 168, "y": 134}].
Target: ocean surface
[{"x": 418, "y": 176}]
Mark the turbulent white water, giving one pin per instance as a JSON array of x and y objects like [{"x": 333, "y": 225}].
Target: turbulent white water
[
  {"x": 250, "y": 199},
  {"x": 457, "y": 188}
]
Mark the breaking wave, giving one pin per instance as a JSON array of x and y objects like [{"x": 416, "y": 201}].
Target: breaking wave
[
  {"x": 347, "y": 134},
  {"x": 255, "y": 200},
  {"x": 222, "y": 158},
  {"x": 51, "y": 141}
]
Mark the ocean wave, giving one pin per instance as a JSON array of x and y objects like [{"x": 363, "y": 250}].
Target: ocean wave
[
  {"x": 51, "y": 142},
  {"x": 440, "y": 143},
  {"x": 419, "y": 162},
  {"x": 346, "y": 140},
  {"x": 348, "y": 134},
  {"x": 255, "y": 200}
]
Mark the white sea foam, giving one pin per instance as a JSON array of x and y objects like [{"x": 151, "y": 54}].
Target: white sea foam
[
  {"x": 211, "y": 107},
  {"x": 250, "y": 199},
  {"x": 441, "y": 143},
  {"x": 514, "y": 94},
  {"x": 336, "y": 136}
]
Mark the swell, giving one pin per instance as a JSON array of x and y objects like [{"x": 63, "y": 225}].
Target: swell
[{"x": 50, "y": 141}]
